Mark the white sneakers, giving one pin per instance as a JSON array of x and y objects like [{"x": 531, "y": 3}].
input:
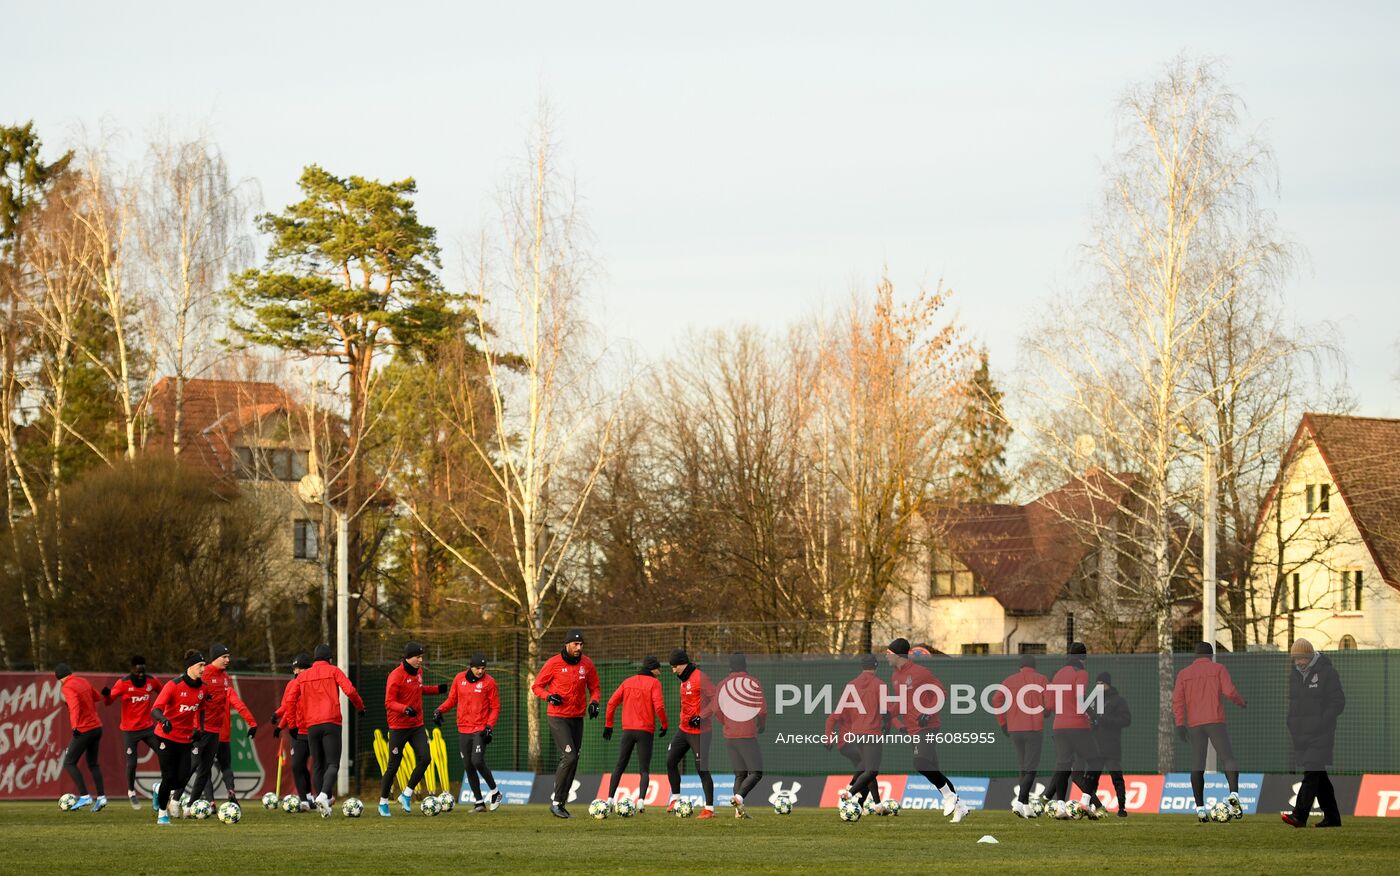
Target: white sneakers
[
  {"x": 323, "y": 805},
  {"x": 1019, "y": 809},
  {"x": 950, "y": 803},
  {"x": 959, "y": 811},
  {"x": 845, "y": 794}
]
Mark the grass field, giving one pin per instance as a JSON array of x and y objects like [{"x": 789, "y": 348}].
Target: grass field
[{"x": 37, "y": 838}]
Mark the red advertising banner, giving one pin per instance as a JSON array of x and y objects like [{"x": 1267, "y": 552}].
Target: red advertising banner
[
  {"x": 34, "y": 734},
  {"x": 1144, "y": 793},
  {"x": 1379, "y": 797}
]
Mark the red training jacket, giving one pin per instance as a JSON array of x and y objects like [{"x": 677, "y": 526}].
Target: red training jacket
[
  {"x": 183, "y": 706},
  {"x": 219, "y": 695},
  {"x": 402, "y": 690},
  {"x": 1073, "y": 716},
  {"x": 477, "y": 701},
  {"x": 913, "y": 683},
  {"x": 697, "y": 698},
  {"x": 641, "y": 701},
  {"x": 744, "y": 729},
  {"x": 577, "y": 683},
  {"x": 859, "y": 708},
  {"x": 1199, "y": 687},
  {"x": 317, "y": 695},
  {"x": 1017, "y": 719},
  {"x": 236, "y": 702},
  {"x": 81, "y": 699},
  {"x": 136, "y": 700},
  {"x": 291, "y": 713}
]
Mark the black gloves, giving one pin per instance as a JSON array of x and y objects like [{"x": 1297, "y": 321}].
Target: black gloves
[
  {"x": 276, "y": 731},
  {"x": 437, "y": 717},
  {"x": 106, "y": 693},
  {"x": 554, "y": 700},
  {"x": 1093, "y": 717},
  {"x": 924, "y": 718},
  {"x": 1004, "y": 731},
  {"x": 662, "y": 732},
  {"x": 1181, "y": 732},
  {"x": 361, "y": 713},
  {"x": 409, "y": 711},
  {"x": 75, "y": 732},
  {"x": 165, "y": 724},
  {"x": 607, "y": 732},
  {"x": 252, "y": 731},
  {"x": 694, "y": 722},
  {"x": 592, "y": 710},
  {"x": 761, "y": 724},
  {"x": 486, "y": 734}
]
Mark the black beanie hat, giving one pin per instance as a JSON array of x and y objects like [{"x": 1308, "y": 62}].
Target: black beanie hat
[
  {"x": 1204, "y": 649},
  {"x": 323, "y": 652},
  {"x": 412, "y": 649},
  {"x": 1028, "y": 660},
  {"x": 868, "y": 661},
  {"x": 478, "y": 658},
  {"x": 900, "y": 647},
  {"x": 193, "y": 657},
  {"x": 1105, "y": 678},
  {"x": 62, "y": 671},
  {"x": 650, "y": 662},
  {"x": 738, "y": 662},
  {"x": 679, "y": 657},
  {"x": 1077, "y": 649},
  {"x": 138, "y": 660},
  {"x": 303, "y": 660},
  {"x": 217, "y": 650},
  {"x": 575, "y": 635}
]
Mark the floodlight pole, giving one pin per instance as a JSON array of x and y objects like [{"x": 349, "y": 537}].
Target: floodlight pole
[{"x": 342, "y": 640}]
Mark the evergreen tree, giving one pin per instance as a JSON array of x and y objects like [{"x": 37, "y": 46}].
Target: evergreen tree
[{"x": 983, "y": 432}]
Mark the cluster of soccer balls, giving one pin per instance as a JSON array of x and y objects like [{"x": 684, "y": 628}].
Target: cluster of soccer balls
[
  {"x": 851, "y": 811},
  {"x": 625, "y": 808}
]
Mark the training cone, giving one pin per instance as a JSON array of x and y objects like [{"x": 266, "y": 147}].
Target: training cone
[{"x": 989, "y": 839}]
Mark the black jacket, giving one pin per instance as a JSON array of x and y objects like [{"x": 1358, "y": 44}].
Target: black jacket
[
  {"x": 1315, "y": 701},
  {"x": 1115, "y": 718}
]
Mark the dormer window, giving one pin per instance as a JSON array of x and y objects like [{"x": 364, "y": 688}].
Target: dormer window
[{"x": 271, "y": 463}]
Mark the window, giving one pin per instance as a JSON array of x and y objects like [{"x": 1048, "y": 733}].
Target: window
[
  {"x": 1031, "y": 648},
  {"x": 948, "y": 577},
  {"x": 275, "y": 463},
  {"x": 1347, "y": 644},
  {"x": 976, "y": 648},
  {"x": 305, "y": 540},
  {"x": 1351, "y": 590},
  {"x": 1318, "y": 498},
  {"x": 1297, "y": 592}
]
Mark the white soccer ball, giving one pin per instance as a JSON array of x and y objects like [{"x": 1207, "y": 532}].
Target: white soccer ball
[
  {"x": 868, "y": 807},
  {"x": 1039, "y": 804},
  {"x": 430, "y": 806},
  {"x": 290, "y": 803},
  {"x": 352, "y": 807},
  {"x": 849, "y": 810},
  {"x": 1074, "y": 810},
  {"x": 446, "y": 801},
  {"x": 201, "y": 809},
  {"x": 783, "y": 805},
  {"x": 598, "y": 809},
  {"x": 892, "y": 807},
  {"x": 230, "y": 812},
  {"x": 269, "y": 800},
  {"x": 625, "y": 808},
  {"x": 67, "y": 802},
  {"x": 684, "y": 809},
  {"x": 1220, "y": 813}
]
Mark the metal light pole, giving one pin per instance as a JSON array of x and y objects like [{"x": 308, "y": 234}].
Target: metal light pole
[
  {"x": 342, "y": 641},
  {"x": 1208, "y": 622}
]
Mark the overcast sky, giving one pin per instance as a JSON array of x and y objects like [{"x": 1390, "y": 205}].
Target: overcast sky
[{"x": 749, "y": 162}]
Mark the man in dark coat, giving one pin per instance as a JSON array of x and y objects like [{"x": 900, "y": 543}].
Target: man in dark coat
[
  {"x": 1315, "y": 701},
  {"x": 1108, "y": 733}
]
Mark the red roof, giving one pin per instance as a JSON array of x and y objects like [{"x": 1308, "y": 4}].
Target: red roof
[
  {"x": 215, "y": 411},
  {"x": 1024, "y": 555},
  {"x": 1362, "y": 455}
]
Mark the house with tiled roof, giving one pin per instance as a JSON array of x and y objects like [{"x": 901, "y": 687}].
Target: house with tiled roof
[
  {"x": 997, "y": 578},
  {"x": 256, "y": 435},
  {"x": 1326, "y": 563}
]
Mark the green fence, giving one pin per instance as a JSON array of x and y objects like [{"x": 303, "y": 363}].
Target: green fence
[{"x": 1367, "y": 740}]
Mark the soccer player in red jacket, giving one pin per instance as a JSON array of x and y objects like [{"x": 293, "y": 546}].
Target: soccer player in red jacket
[
  {"x": 1200, "y": 717},
  {"x": 220, "y": 699},
  {"x": 836, "y": 737},
  {"x": 87, "y": 735},
  {"x": 1021, "y": 716},
  {"x": 179, "y": 714},
  {"x": 403, "y": 704},
  {"x": 1076, "y": 752},
  {"x": 697, "y": 707},
  {"x": 741, "y": 737},
  {"x": 921, "y": 695},
  {"x": 860, "y": 710},
  {"x": 292, "y": 714},
  {"x": 642, "y": 706},
  {"x": 478, "y": 704},
  {"x": 317, "y": 699},
  {"x": 568, "y": 681},
  {"x": 137, "y": 694}
]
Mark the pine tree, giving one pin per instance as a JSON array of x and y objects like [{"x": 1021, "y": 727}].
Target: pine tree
[{"x": 983, "y": 432}]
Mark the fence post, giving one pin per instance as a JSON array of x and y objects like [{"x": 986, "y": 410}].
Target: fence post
[{"x": 519, "y": 699}]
